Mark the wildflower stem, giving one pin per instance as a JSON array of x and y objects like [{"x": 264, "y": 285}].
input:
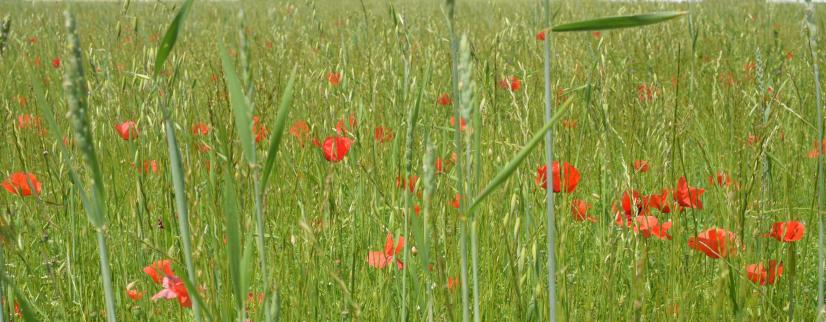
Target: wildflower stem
[{"x": 549, "y": 156}]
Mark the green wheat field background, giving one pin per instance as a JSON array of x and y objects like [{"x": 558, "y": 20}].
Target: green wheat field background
[{"x": 301, "y": 161}]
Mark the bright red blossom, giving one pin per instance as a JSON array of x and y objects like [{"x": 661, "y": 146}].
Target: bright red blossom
[
  {"x": 570, "y": 173},
  {"x": 540, "y": 36},
  {"x": 511, "y": 83},
  {"x": 649, "y": 226},
  {"x": 715, "y": 243},
  {"x": 579, "y": 210},
  {"x": 335, "y": 148},
  {"x": 688, "y": 197},
  {"x": 758, "y": 274},
  {"x": 334, "y": 78},
  {"x": 641, "y": 166},
  {"x": 381, "y": 259},
  {"x": 462, "y": 123},
  {"x": 787, "y": 231},
  {"x": 127, "y": 130},
  {"x": 21, "y": 184},
  {"x": 200, "y": 129},
  {"x": 444, "y": 100}
]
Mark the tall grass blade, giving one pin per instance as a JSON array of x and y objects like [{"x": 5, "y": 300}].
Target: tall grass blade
[
  {"x": 514, "y": 163},
  {"x": 549, "y": 158},
  {"x": 618, "y": 22},
  {"x": 242, "y": 112},
  {"x": 170, "y": 37},
  {"x": 74, "y": 85},
  {"x": 278, "y": 131},
  {"x": 233, "y": 229},
  {"x": 811, "y": 27}
]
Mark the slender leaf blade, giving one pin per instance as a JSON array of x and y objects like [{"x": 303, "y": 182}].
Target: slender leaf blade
[
  {"x": 171, "y": 37},
  {"x": 240, "y": 109},
  {"x": 618, "y": 21},
  {"x": 280, "y": 123},
  {"x": 514, "y": 163}
]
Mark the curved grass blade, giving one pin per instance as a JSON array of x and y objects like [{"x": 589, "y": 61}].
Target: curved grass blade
[
  {"x": 280, "y": 123},
  {"x": 509, "y": 168},
  {"x": 171, "y": 37},
  {"x": 233, "y": 227},
  {"x": 240, "y": 109},
  {"x": 618, "y": 22}
]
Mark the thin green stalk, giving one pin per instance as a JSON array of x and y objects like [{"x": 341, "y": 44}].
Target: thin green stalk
[
  {"x": 549, "y": 157},
  {"x": 812, "y": 29},
  {"x": 454, "y": 58},
  {"x": 77, "y": 98},
  {"x": 180, "y": 202},
  {"x": 106, "y": 275}
]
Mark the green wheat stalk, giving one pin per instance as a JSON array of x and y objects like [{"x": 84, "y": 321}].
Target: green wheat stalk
[{"x": 74, "y": 85}]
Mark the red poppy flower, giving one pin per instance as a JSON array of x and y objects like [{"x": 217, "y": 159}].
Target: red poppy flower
[
  {"x": 381, "y": 259},
  {"x": 789, "y": 55},
  {"x": 758, "y": 274},
  {"x": 174, "y": 288},
  {"x": 715, "y": 243},
  {"x": 334, "y": 78},
  {"x": 815, "y": 152},
  {"x": 452, "y": 284},
  {"x": 335, "y": 148},
  {"x": 511, "y": 83},
  {"x": 132, "y": 293},
  {"x": 649, "y": 226},
  {"x": 411, "y": 183},
  {"x": 596, "y": 34},
  {"x": 579, "y": 209},
  {"x": 688, "y": 197},
  {"x": 259, "y": 130},
  {"x": 632, "y": 205},
  {"x": 21, "y": 184},
  {"x": 127, "y": 130},
  {"x": 159, "y": 269},
  {"x": 444, "y": 100},
  {"x": 658, "y": 201},
  {"x": 27, "y": 121},
  {"x": 383, "y": 134},
  {"x": 462, "y": 123},
  {"x": 787, "y": 231},
  {"x": 641, "y": 166},
  {"x": 342, "y": 129},
  {"x": 646, "y": 92},
  {"x": 540, "y": 36},
  {"x": 439, "y": 165},
  {"x": 200, "y": 129},
  {"x": 150, "y": 166},
  {"x": 300, "y": 130},
  {"x": 32, "y": 40},
  {"x": 570, "y": 173},
  {"x": 56, "y": 62},
  {"x": 722, "y": 180},
  {"x": 455, "y": 202}
]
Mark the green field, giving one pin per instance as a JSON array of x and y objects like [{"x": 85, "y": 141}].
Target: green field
[{"x": 723, "y": 97}]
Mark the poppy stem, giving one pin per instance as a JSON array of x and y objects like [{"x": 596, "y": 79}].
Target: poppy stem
[{"x": 549, "y": 156}]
